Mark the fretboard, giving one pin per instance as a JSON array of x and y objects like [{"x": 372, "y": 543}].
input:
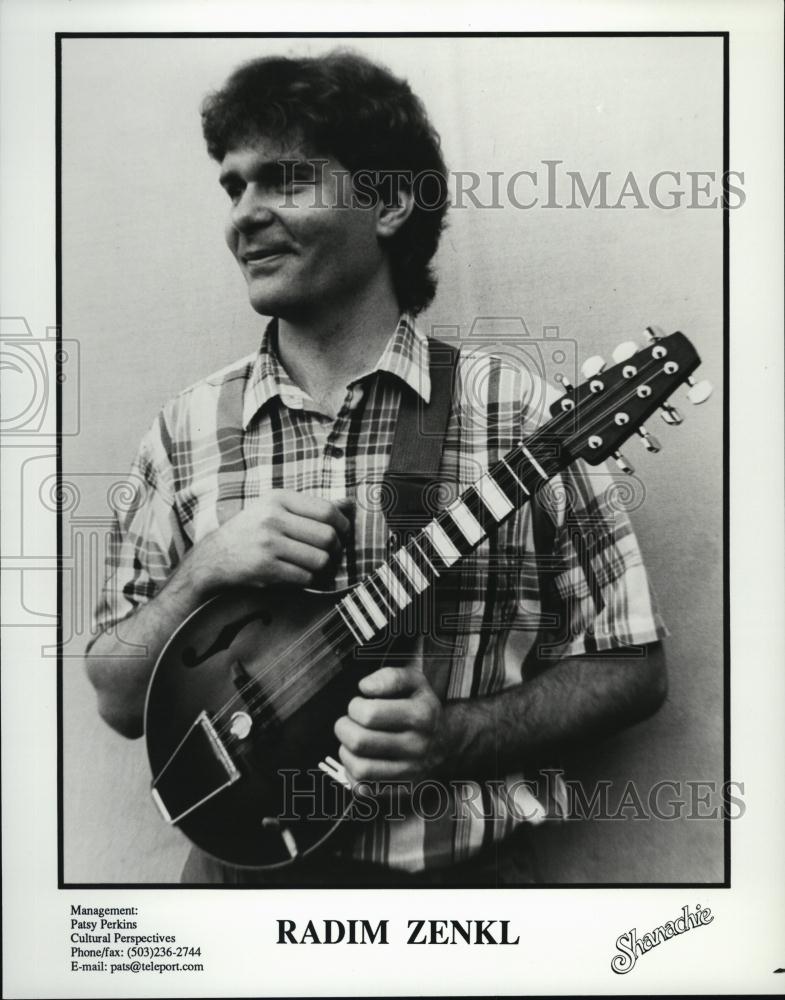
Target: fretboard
[{"x": 379, "y": 600}]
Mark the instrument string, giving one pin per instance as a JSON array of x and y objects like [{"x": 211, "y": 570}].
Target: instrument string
[
  {"x": 330, "y": 631},
  {"x": 246, "y": 699}
]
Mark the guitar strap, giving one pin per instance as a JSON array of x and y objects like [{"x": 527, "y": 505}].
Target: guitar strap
[
  {"x": 412, "y": 485},
  {"x": 412, "y": 477}
]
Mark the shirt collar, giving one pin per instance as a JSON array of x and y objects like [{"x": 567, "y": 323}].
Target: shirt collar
[
  {"x": 269, "y": 379},
  {"x": 405, "y": 356}
]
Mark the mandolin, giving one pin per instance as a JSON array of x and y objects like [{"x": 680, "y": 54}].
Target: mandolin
[{"x": 242, "y": 702}]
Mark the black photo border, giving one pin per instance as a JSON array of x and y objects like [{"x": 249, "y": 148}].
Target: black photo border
[{"x": 59, "y": 38}]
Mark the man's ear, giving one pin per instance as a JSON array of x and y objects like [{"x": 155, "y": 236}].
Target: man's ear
[{"x": 392, "y": 216}]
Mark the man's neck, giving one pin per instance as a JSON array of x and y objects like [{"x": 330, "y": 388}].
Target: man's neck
[{"x": 324, "y": 353}]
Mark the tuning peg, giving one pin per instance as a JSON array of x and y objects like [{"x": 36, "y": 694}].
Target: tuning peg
[
  {"x": 654, "y": 333},
  {"x": 624, "y": 351},
  {"x": 592, "y": 366},
  {"x": 623, "y": 464},
  {"x": 650, "y": 443},
  {"x": 670, "y": 414},
  {"x": 698, "y": 392}
]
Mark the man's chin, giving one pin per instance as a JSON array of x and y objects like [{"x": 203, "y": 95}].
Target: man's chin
[
  {"x": 268, "y": 302},
  {"x": 263, "y": 306},
  {"x": 280, "y": 306}
]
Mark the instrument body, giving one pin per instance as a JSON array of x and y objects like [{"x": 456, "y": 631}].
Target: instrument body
[
  {"x": 242, "y": 703},
  {"x": 279, "y": 778}
]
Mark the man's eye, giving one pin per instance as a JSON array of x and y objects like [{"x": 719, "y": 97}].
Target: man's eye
[{"x": 289, "y": 176}]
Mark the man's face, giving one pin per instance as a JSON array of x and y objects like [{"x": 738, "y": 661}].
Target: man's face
[{"x": 300, "y": 241}]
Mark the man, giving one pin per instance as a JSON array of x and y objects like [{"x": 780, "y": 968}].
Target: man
[{"x": 264, "y": 474}]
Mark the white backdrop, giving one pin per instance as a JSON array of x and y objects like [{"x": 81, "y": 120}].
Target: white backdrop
[{"x": 155, "y": 301}]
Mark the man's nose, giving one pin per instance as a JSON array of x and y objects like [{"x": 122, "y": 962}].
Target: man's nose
[{"x": 252, "y": 209}]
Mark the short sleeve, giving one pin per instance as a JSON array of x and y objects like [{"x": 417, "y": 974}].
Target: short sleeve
[
  {"x": 147, "y": 542},
  {"x": 605, "y": 596}
]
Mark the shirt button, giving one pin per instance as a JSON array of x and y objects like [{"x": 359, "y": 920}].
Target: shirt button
[
  {"x": 335, "y": 452},
  {"x": 292, "y": 401}
]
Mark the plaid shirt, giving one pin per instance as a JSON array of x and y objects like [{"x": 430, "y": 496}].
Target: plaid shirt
[{"x": 249, "y": 428}]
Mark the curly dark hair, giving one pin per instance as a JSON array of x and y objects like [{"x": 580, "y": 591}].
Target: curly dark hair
[{"x": 343, "y": 105}]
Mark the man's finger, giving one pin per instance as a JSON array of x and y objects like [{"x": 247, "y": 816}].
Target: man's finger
[
  {"x": 309, "y": 557},
  {"x": 392, "y": 682},
  {"x": 346, "y": 506},
  {"x": 315, "y": 508},
  {"x": 311, "y": 532},
  {"x": 362, "y": 742},
  {"x": 362, "y": 769},
  {"x": 289, "y": 573},
  {"x": 392, "y": 715}
]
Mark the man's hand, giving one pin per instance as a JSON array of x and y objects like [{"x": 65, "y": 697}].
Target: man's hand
[
  {"x": 284, "y": 537},
  {"x": 393, "y": 730},
  {"x": 397, "y": 730}
]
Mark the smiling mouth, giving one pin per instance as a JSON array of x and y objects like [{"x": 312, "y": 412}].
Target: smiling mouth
[{"x": 260, "y": 256}]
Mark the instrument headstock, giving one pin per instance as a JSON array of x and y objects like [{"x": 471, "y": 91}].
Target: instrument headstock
[{"x": 613, "y": 403}]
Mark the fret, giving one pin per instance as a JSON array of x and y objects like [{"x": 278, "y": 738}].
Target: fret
[
  {"x": 442, "y": 542},
  {"x": 383, "y": 597},
  {"x": 519, "y": 481},
  {"x": 453, "y": 532},
  {"x": 534, "y": 462},
  {"x": 416, "y": 544},
  {"x": 478, "y": 510},
  {"x": 505, "y": 482},
  {"x": 394, "y": 585},
  {"x": 357, "y": 617},
  {"x": 418, "y": 581},
  {"x": 348, "y": 623},
  {"x": 398, "y": 572},
  {"x": 371, "y": 607},
  {"x": 432, "y": 553},
  {"x": 493, "y": 497},
  {"x": 465, "y": 520}
]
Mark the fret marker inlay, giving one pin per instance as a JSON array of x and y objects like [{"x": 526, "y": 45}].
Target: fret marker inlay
[
  {"x": 370, "y": 606},
  {"x": 357, "y": 617},
  {"x": 442, "y": 543},
  {"x": 493, "y": 497},
  {"x": 465, "y": 520},
  {"x": 397, "y": 591},
  {"x": 348, "y": 622},
  {"x": 411, "y": 570}
]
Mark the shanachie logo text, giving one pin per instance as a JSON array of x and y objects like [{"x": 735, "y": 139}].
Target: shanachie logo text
[{"x": 630, "y": 946}]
